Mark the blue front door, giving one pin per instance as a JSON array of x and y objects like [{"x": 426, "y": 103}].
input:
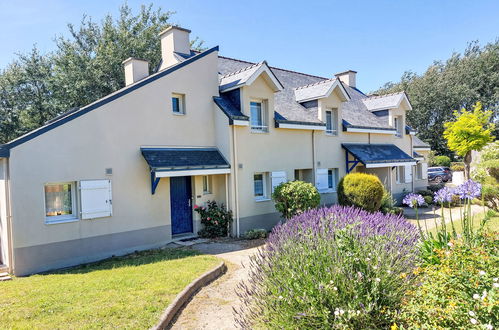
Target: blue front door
[{"x": 180, "y": 201}]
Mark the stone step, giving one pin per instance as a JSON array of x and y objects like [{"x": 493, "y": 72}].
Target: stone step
[
  {"x": 5, "y": 278},
  {"x": 4, "y": 274}
]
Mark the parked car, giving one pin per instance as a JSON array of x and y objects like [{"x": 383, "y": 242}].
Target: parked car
[{"x": 439, "y": 174}]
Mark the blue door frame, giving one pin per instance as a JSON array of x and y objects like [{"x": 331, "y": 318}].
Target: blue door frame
[{"x": 180, "y": 204}]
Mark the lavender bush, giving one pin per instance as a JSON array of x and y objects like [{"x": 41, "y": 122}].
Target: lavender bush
[{"x": 337, "y": 267}]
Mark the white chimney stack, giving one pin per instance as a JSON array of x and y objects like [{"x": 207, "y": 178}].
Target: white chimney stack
[
  {"x": 174, "y": 39},
  {"x": 348, "y": 77},
  {"x": 135, "y": 70}
]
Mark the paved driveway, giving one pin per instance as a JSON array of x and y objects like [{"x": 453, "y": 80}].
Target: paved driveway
[{"x": 212, "y": 307}]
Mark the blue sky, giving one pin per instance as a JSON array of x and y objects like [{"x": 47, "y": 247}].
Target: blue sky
[{"x": 379, "y": 39}]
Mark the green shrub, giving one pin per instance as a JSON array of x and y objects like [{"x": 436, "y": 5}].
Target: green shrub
[
  {"x": 361, "y": 190},
  {"x": 255, "y": 234},
  {"x": 215, "y": 218},
  {"x": 425, "y": 193},
  {"x": 436, "y": 187},
  {"x": 388, "y": 204},
  {"x": 462, "y": 292},
  {"x": 294, "y": 197},
  {"x": 457, "y": 167},
  {"x": 441, "y": 161},
  {"x": 428, "y": 200}
]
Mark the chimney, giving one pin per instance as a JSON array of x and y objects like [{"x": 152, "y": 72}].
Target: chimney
[
  {"x": 348, "y": 77},
  {"x": 135, "y": 70},
  {"x": 174, "y": 39}
]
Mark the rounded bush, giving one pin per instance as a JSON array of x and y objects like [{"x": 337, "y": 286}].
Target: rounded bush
[
  {"x": 361, "y": 190},
  {"x": 294, "y": 197},
  {"x": 441, "y": 161}
]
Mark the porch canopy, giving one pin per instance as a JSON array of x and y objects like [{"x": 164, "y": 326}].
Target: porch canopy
[
  {"x": 375, "y": 155},
  {"x": 169, "y": 162}
]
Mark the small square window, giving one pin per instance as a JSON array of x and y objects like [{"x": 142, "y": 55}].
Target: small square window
[
  {"x": 60, "y": 202},
  {"x": 206, "y": 185},
  {"x": 178, "y": 104}
]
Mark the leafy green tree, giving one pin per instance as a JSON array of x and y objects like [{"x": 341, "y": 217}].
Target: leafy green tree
[
  {"x": 295, "y": 197},
  {"x": 471, "y": 130},
  {"x": 459, "y": 82}
]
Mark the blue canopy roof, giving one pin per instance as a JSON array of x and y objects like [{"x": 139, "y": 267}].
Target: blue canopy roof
[{"x": 377, "y": 153}]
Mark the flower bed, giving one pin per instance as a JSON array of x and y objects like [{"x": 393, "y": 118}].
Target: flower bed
[{"x": 331, "y": 267}]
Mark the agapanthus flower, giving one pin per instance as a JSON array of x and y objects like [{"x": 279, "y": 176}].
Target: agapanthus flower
[
  {"x": 443, "y": 195},
  {"x": 413, "y": 200},
  {"x": 469, "y": 190}
]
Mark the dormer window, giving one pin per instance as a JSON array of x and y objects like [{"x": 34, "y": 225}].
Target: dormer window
[
  {"x": 258, "y": 116},
  {"x": 397, "y": 123},
  {"x": 332, "y": 122}
]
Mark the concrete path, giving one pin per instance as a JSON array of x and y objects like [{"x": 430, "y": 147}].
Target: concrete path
[
  {"x": 212, "y": 307},
  {"x": 427, "y": 215}
]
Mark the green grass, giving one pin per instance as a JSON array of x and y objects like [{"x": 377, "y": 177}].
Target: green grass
[
  {"x": 491, "y": 225},
  {"x": 122, "y": 292}
]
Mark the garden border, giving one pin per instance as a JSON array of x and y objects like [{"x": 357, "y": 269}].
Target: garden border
[{"x": 185, "y": 295}]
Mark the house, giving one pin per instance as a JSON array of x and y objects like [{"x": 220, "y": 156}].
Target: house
[{"x": 123, "y": 173}]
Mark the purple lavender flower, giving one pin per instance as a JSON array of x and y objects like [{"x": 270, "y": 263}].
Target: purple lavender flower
[
  {"x": 443, "y": 195},
  {"x": 413, "y": 200},
  {"x": 469, "y": 190}
]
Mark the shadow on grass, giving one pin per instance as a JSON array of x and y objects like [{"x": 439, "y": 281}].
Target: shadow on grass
[{"x": 137, "y": 258}]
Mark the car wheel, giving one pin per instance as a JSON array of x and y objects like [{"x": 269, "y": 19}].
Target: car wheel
[{"x": 438, "y": 179}]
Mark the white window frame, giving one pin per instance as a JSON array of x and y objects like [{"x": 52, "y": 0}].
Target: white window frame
[
  {"x": 206, "y": 179},
  {"x": 397, "y": 123},
  {"x": 400, "y": 174},
  {"x": 74, "y": 204},
  {"x": 265, "y": 196},
  {"x": 332, "y": 130},
  {"x": 276, "y": 178},
  {"x": 263, "y": 127},
  {"x": 181, "y": 99}
]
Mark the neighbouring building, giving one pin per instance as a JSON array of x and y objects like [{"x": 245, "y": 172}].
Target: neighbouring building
[{"x": 123, "y": 173}]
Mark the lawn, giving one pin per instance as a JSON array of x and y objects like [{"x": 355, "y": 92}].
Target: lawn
[
  {"x": 122, "y": 292},
  {"x": 491, "y": 225}
]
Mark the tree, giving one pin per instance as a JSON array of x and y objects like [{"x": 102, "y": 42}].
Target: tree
[
  {"x": 459, "y": 82},
  {"x": 470, "y": 131}
]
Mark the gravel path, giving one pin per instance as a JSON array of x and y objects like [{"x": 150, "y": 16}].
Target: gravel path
[{"x": 211, "y": 308}]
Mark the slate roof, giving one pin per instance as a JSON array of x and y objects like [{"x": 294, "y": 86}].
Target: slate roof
[
  {"x": 314, "y": 91},
  {"x": 184, "y": 158},
  {"x": 239, "y": 77},
  {"x": 377, "y": 153},
  {"x": 229, "y": 108},
  {"x": 287, "y": 108},
  {"x": 381, "y": 102},
  {"x": 418, "y": 143}
]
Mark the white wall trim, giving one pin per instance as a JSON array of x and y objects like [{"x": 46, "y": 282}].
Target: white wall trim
[
  {"x": 422, "y": 148},
  {"x": 167, "y": 174},
  {"x": 305, "y": 127},
  {"x": 366, "y": 130},
  {"x": 389, "y": 164},
  {"x": 240, "y": 122}
]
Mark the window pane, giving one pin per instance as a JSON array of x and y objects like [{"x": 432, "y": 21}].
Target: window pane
[
  {"x": 330, "y": 179},
  {"x": 58, "y": 200},
  {"x": 176, "y": 104},
  {"x": 256, "y": 114},
  {"x": 329, "y": 122},
  {"x": 258, "y": 178}
]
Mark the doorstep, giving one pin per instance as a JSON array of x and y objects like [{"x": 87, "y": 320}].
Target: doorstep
[{"x": 188, "y": 239}]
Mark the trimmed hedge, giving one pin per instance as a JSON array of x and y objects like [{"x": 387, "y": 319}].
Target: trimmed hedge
[
  {"x": 441, "y": 161},
  {"x": 361, "y": 190}
]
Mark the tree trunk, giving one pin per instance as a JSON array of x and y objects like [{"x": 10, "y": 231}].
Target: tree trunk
[{"x": 467, "y": 165}]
